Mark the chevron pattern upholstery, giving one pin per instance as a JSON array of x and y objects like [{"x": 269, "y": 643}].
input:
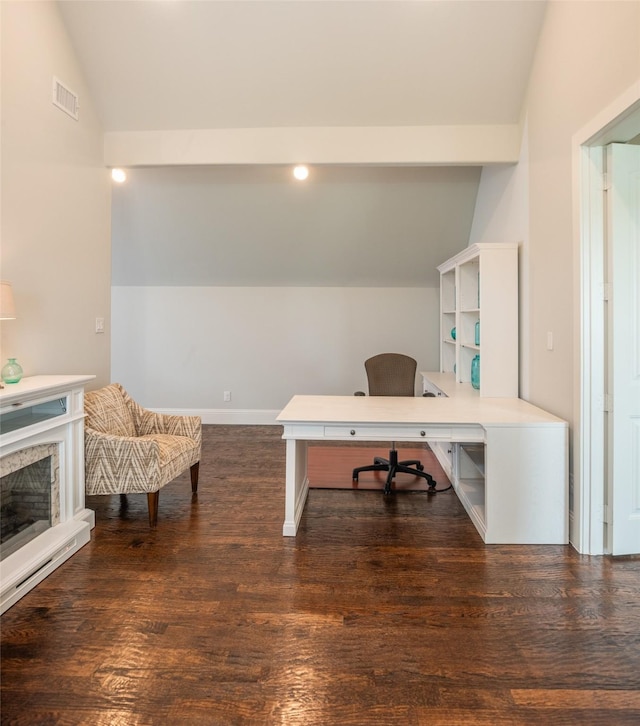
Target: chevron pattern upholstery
[{"x": 131, "y": 450}]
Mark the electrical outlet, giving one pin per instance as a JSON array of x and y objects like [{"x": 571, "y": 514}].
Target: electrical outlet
[{"x": 227, "y": 395}]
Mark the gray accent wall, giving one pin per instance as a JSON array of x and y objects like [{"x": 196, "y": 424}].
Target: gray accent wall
[
  {"x": 241, "y": 279},
  {"x": 345, "y": 226}
]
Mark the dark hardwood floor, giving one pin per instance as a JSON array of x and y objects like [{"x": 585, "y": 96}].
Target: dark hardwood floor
[{"x": 381, "y": 611}]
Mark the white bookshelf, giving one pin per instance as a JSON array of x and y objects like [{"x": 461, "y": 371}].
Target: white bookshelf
[{"x": 480, "y": 284}]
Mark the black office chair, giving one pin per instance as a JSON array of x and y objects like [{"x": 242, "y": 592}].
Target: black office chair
[{"x": 392, "y": 374}]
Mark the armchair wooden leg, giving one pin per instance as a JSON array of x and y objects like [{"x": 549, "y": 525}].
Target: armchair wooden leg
[
  {"x": 194, "y": 476},
  {"x": 152, "y": 500}
]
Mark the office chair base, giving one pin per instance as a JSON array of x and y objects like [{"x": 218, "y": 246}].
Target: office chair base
[
  {"x": 392, "y": 465},
  {"x": 409, "y": 462}
]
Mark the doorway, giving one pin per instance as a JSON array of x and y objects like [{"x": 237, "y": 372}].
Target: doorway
[{"x": 593, "y": 523}]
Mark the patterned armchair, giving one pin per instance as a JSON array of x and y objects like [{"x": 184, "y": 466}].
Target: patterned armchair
[{"x": 129, "y": 449}]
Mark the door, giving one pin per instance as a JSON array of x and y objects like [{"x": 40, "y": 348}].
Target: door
[{"x": 623, "y": 348}]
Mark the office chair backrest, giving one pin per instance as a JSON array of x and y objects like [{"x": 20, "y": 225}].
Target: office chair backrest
[{"x": 391, "y": 374}]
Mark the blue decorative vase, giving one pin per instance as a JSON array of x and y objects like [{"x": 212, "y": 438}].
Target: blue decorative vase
[
  {"x": 11, "y": 371},
  {"x": 475, "y": 372},
  {"x": 453, "y": 333},
  {"x": 477, "y": 340}
]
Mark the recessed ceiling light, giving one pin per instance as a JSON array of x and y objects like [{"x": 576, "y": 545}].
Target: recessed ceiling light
[
  {"x": 118, "y": 175},
  {"x": 301, "y": 172}
]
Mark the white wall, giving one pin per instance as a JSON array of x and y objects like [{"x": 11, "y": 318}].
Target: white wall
[
  {"x": 502, "y": 215},
  {"x": 55, "y": 202},
  {"x": 588, "y": 55},
  {"x": 181, "y": 347}
]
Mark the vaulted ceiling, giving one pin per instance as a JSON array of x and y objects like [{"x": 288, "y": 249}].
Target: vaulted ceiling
[
  {"x": 185, "y": 64},
  {"x": 175, "y": 65}
]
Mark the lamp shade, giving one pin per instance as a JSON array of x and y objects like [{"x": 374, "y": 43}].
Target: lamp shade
[{"x": 7, "y": 308}]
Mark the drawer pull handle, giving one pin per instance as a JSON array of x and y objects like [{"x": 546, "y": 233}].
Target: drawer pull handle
[
  {"x": 352, "y": 432},
  {"x": 423, "y": 433}
]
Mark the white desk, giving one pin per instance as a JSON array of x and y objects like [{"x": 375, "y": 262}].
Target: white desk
[{"x": 511, "y": 458}]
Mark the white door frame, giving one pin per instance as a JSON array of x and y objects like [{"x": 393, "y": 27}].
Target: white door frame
[{"x": 618, "y": 122}]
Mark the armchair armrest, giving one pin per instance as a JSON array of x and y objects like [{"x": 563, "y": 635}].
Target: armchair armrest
[{"x": 117, "y": 464}]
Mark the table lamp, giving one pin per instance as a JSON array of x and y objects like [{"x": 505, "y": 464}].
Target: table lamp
[{"x": 7, "y": 307}]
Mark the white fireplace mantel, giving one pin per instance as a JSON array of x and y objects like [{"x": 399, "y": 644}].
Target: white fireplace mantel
[{"x": 46, "y": 410}]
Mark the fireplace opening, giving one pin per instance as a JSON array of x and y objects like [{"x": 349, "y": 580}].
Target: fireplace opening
[{"x": 29, "y": 494}]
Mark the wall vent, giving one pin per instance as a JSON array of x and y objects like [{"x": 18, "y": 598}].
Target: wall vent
[{"x": 65, "y": 99}]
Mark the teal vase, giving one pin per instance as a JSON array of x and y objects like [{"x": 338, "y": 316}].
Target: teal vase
[
  {"x": 453, "y": 333},
  {"x": 477, "y": 336},
  {"x": 475, "y": 372},
  {"x": 11, "y": 371}
]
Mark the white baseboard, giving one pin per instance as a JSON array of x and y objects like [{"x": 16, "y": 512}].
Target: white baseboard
[{"x": 241, "y": 416}]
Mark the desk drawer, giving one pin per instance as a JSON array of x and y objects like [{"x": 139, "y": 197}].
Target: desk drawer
[{"x": 363, "y": 432}]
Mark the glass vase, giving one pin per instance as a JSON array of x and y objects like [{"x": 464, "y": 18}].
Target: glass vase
[
  {"x": 11, "y": 371},
  {"x": 475, "y": 372}
]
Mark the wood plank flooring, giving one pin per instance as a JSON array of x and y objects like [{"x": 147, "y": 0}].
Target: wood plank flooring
[{"x": 381, "y": 611}]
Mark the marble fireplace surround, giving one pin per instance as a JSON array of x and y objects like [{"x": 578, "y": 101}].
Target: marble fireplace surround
[
  {"x": 19, "y": 475},
  {"x": 44, "y": 414}
]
